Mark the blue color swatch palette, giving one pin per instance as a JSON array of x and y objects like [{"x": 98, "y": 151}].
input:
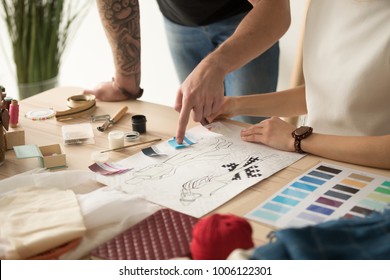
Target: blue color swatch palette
[{"x": 325, "y": 192}]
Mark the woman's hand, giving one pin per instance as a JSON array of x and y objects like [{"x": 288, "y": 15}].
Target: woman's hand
[
  {"x": 226, "y": 111},
  {"x": 272, "y": 132}
]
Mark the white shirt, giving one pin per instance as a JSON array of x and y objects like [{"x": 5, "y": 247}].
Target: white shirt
[{"x": 347, "y": 66}]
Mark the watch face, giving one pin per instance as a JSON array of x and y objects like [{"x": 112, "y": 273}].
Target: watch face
[{"x": 302, "y": 130}]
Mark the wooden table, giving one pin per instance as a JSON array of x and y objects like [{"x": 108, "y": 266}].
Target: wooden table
[{"x": 161, "y": 123}]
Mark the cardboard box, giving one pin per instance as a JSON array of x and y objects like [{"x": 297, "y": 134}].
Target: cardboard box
[
  {"x": 14, "y": 137},
  {"x": 50, "y": 156},
  {"x": 53, "y": 156}
]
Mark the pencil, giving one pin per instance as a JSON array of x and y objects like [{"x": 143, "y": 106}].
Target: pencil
[{"x": 132, "y": 145}]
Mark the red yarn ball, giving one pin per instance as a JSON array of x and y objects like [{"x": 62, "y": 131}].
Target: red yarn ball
[{"x": 216, "y": 236}]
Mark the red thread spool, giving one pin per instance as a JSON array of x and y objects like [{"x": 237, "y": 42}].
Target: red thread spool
[
  {"x": 14, "y": 113},
  {"x": 216, "y": 236}
]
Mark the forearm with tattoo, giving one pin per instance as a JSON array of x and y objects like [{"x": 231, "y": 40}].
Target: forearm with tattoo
[{"x": 120, "y": 20}]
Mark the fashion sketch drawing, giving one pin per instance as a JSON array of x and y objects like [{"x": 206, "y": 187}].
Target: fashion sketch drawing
[{"x": 197, "y": 179}]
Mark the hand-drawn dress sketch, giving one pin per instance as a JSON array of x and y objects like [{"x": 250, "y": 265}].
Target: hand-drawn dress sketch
[{"x": 197, "y": 179}]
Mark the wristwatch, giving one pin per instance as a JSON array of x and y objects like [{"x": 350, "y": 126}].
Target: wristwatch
[{"x": 299, "y": 134}]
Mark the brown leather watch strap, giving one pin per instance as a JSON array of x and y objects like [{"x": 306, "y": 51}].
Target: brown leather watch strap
[{"x": 299, "y": 134}]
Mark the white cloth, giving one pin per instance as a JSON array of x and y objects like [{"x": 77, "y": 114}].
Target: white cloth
[
  {"x": 34, "y": 220},
  {"x": 347, "y": 66},
  {"x": 108, "y": 212},
  {"x": 105, "y": 211}
]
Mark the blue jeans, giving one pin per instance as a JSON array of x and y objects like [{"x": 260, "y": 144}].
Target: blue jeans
[{"x": 189, "y": 45}]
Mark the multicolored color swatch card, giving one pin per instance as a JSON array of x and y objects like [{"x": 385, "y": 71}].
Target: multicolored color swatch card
[{"x": 325, "y": 192}]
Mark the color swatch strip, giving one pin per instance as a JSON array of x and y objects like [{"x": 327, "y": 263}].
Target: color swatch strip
[{"x": 323, "y": 193}]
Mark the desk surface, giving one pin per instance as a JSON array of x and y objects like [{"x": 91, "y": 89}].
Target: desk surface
[{"x": 161, "y": 123}]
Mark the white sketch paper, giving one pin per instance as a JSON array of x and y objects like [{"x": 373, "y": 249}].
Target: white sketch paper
[{"x": 199, "y": 178}]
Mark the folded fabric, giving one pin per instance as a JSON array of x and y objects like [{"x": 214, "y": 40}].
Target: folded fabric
[
  {"x": 34, "y": 220},
  {"x": 79, "y": 181},
  {"x": 166, "y": 234},
  {"x": 352, "y": 239},
  {"x": 107, "y": 212}
]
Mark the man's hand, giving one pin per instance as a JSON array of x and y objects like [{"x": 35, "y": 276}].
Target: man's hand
[
  {"x": 106, "y": 92},
  {"x": 201, "y": 93},
  {"x": 203, "y": 90},
  {"x": 110, "y": 92}
]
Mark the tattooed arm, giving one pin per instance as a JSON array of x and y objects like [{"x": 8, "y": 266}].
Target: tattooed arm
[{"x": 120, "y": 19}]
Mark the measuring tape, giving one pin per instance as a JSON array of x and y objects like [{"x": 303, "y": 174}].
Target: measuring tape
[{"x": 79, "y": 105}]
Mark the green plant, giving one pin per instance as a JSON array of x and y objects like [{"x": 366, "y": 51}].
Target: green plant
[{"x": 39, "y": 31}]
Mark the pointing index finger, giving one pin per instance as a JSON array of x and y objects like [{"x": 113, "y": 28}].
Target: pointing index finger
[{"x": 183, "y": 121}]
